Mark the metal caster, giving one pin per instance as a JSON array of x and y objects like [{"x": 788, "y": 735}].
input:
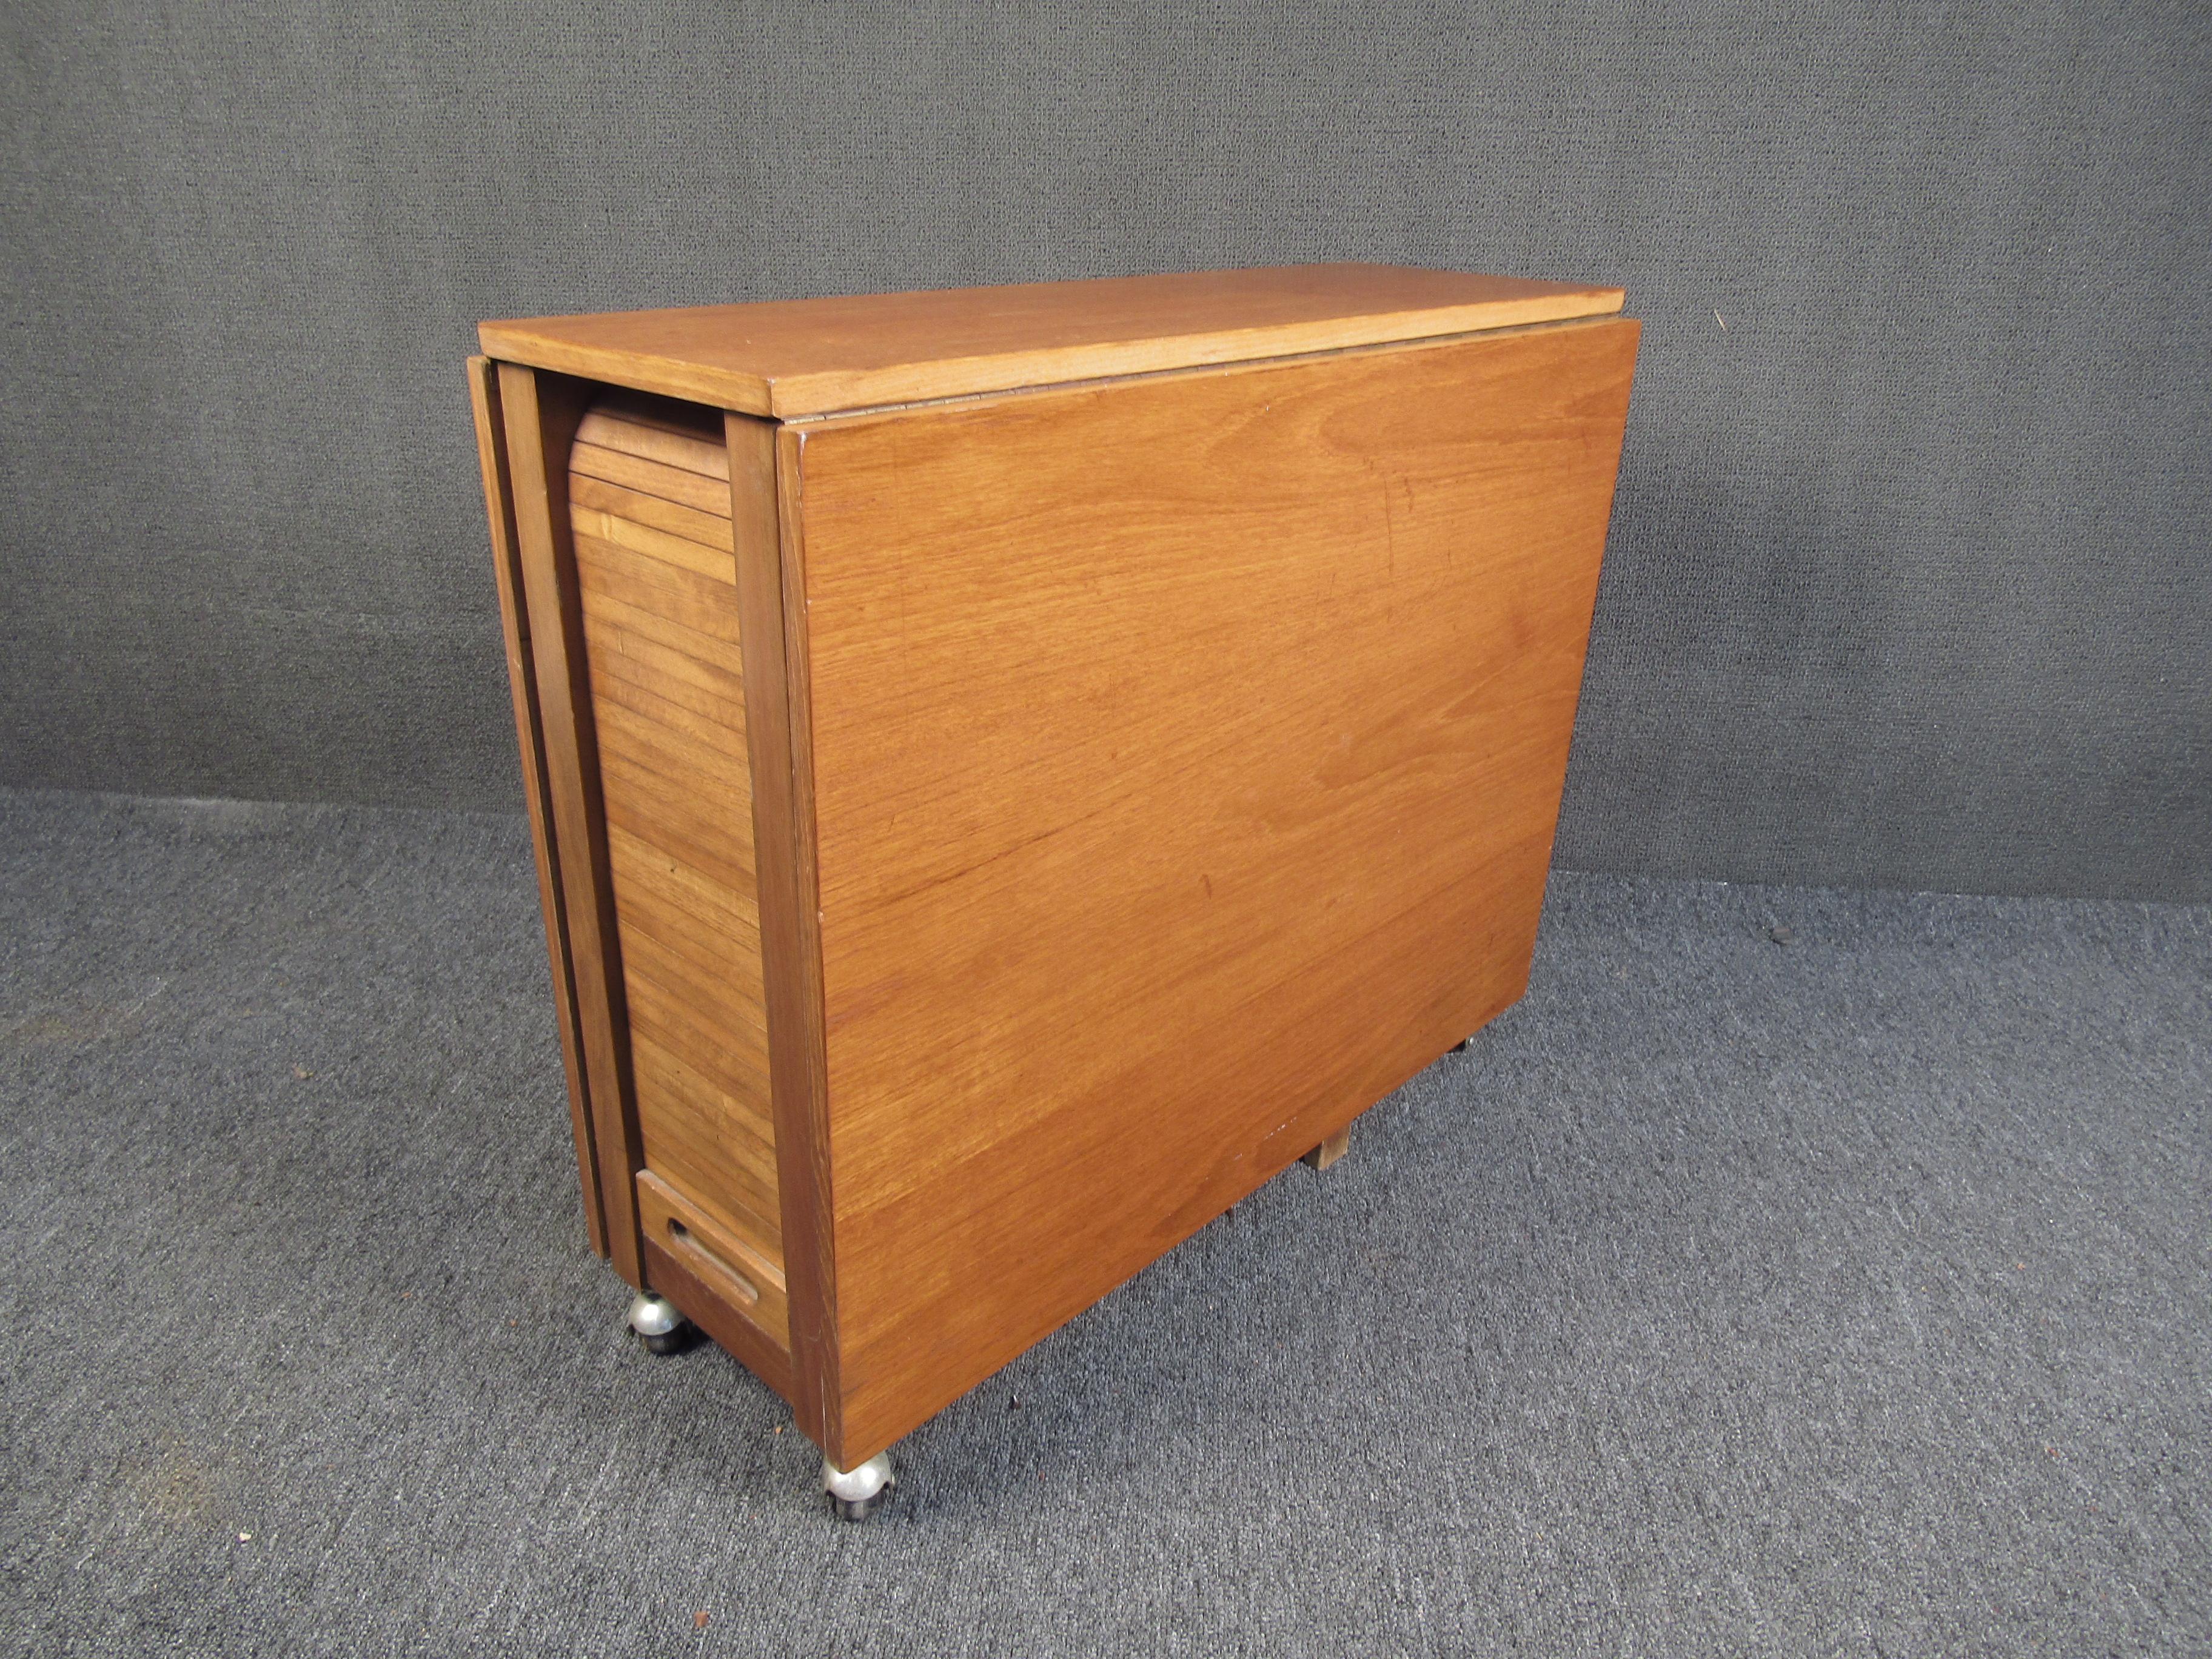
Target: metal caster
[
  {"x": 654, "y": 1318},
  {"x": 1459, "y": 1048},
  {"x": 856, "y": 1494}
]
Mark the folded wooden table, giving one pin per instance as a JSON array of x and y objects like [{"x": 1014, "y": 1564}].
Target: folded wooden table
[{"x": 1013, "y": 770}]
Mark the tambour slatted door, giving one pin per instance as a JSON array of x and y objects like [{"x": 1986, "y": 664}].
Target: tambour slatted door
[{"x": 649, "y": 512}]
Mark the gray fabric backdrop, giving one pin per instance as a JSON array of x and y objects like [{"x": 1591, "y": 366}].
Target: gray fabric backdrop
[{"x": 1908, "y": 578}]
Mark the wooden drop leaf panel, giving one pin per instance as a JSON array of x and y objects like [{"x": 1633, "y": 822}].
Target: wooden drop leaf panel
[
  {"x": 1185, "y": 753},
  {"x": 649, "y": 507}
]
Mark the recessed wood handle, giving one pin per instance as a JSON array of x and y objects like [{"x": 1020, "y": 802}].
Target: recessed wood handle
[{"x": 742, "y": 1290}]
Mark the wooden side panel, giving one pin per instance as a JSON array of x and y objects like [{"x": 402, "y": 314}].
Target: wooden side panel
[
  {"x": 499, "y": 503},
  {"x": 1186, "y": 755},
  {"x": 543, "y": 412},
  {"x": 658, "y": 584}
]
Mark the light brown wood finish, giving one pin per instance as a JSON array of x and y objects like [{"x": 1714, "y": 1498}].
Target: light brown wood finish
[
  {"x": 719, "y": 1281},
  {"x": 797, "y": 357},
  {"x": 1330, "y": 1150},
  {"x": 541, "y": 413},
  {"x": 670, "y": 714},
  {"x": 729, "y": 1260},
  {"x": 1144, "y": 775},
  {"x": 506, "y": 565},
  {"x": 772, "y": 620},
  {"x": 1185, "y": 758}
]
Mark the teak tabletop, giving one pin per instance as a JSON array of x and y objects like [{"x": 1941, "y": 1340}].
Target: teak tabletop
[{"x": 791, "y": 359}]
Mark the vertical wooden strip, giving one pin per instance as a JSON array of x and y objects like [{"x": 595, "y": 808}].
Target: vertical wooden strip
[
  {"x": 543, "y": 412},
  {"x": 499, "y": 506},
  {"x": 772, "y": 630}
]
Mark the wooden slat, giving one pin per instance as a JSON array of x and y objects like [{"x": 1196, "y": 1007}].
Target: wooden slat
[
  {"x": 732, "y": 1195},
  {"x": 712, "y": 563},
  {"x": 649, "y": 440},
  {"x": 726, "y": 1006},
  {"x": 632, "y": 504},
  {"x": 694, "y": 1138},
  {"x": 701, "y": 1139},
  {"x": 694, "y": 1159},
  {"x": 635, "y": 622},
  {"x": 666, "y": 650},
  {"x": 655, "y": 739},
  {"x": 667, "y": 414},
  {"x": 738, "y": 1199},
  {"x": 726, "y": 955},
  {"x": 752, "y": 1139},
  {"x": 735, "y": 1065},
  {"x": 699, "y": 786},
  {"x": 697, "y": 1025},
  {"x": 690, "y": 822},
  {"x": 633, "y": 811},
  {"x": 659, "y": 588},
  {"x": 670, "y": 484},
  {"x": 699, "y": 776},
  {"x": 499, "y": 503},
  {"x": 666, "y": 676},
  {"x": 682, "y": 886},
  {"x": 680, "y": 718}
]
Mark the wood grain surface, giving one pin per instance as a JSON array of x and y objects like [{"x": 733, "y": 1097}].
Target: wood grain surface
[
  {"x": 1185, "y": 756},
  {"x": 1331, "y": 1150},
  {"x": 716, "y": 1280},
  {"x": 658, "y": 577},
  {"x": 795, "y": 357},
  {"x": 746, "y": 1278},
  {"x": 772, "y": 623},
  {"x": 514, "y": 628},
  {"x": 541, "y": 414}
]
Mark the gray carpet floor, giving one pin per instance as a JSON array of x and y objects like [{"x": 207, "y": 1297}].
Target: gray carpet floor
[{"x": 1790, "y": 1272}]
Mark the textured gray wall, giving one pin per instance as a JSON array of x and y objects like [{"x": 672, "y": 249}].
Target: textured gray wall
[{"x": 1909, "y": 576}]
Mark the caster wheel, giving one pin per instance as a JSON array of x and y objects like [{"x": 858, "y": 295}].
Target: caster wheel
[
  {"x": 658, "y": 1326},
  {"x": 856, "y": 1494},
  {"x": 1459, "y": 1048},
  {"x": 858, "y": 1509}
]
